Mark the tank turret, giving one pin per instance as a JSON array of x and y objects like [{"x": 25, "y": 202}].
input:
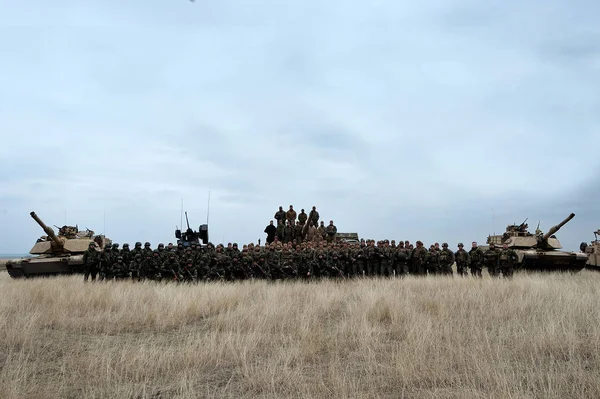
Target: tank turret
[
  {"x": 554, "y": 229},
  {"x": 57, "y": 243}
]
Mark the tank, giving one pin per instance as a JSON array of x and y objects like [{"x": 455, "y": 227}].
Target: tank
[
  {"x": 350, "y": 238},
  {"x": 56, "y": 254},
  {"x": 592, "y": 251},
  {"x": 538, "y": 251},
  {"x": 190, "y": 236}
]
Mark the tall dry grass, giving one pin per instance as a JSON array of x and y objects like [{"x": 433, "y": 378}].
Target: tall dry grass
[{"x": 535, "y": 336}]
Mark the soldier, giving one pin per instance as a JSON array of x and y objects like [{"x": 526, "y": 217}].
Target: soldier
[
  {"x": 291, "y": 215},
  {"x": 91, "y": 260},
  {"x": 271, "y": 231},
  {"x": 302, "y": 217},
  {"x": 280, "y": 215},
  {"x": 126, "y": 253},
  {"x": 462, "y": 260},
  {"x": 119, "y": 270},
  {"x": 321, "y": 231},
  {"x": 401, "y": 260},
  {"x": 446, "y": 260},
  {"x": 288, "y": 232},
  {"x": 147, "y": 248},
  {"x": 280, "y": 230},
  {"x": 476, "y": 260},
  {"x": 298, "y": 233},
  {"x": 330, "y": 232},
  {"x": 433, "y": 260},
  {"x": 188, "y": 272},
  {"x": 313, "y": 217},
  {"x": 135, "y": 266},
  {"x": 418, "y": 260},
  {"x": 490, "y": 260},
  {"x": 171, "y": 267},
  {"x": 507, "y": 259},
  {"x": 105, "y": 262},
  {"x": 137, "y": 249}
]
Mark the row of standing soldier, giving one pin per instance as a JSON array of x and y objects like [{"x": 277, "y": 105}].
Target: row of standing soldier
[
  {"x": 305, "y": 228},
  {"x": 307, "y": 260}
]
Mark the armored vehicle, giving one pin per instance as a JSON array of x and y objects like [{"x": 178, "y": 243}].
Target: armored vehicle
[
  {"x": 592, "y": 251},
  {"x": 350, "y": 238},
  {"x": 539, "y": 251},
  {"x": 190, "y": 236},
  {"x": 60, "y": 253}
]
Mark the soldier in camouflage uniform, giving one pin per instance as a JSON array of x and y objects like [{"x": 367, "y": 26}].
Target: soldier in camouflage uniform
[
  {"x": 280, "y": 215},
  {"x": 313, "y": 217},
  {"x": 137, "y": 250},
  {"x": 490, "y": 260},
  {"x": 188, "y": 272},
  {"x": 105, "y": 262},
  {"x": 418, "y": 260},
  {"x": 446, "y": 260},
  {"x": 330, "y": 232},
  {"x": 433, "y": 261},
  {"x": 507, "y": 260},
  {"x": 462, "y": 260},
  {"x": 147, "y": 248},
  {"x": 119, "y": 270},
  {"x": 401, "y": 260},
  {"x": 290, "y": 215},
  {"x": 135, "y": 266},
  {"x": 302, "y": 217},
  {"x": 91, "y": 261},
  {"x": 476, "y": 260},
  {"x": 170, "y": 268},
  {"x": 126, "y": 254}
]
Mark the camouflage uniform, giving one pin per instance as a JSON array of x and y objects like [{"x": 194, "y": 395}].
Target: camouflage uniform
[
  {"x": 462, "y": 260},
  {"x": 507, "y": 259},
  {"x": 418, "y": 260},
  {"x": 330, "y": 232},
  {"x": 302, "y": 217},
  {"x": 490, "y": 260},
  {"x": 476, "y": 260},
  {"x": 446, "y": 260},
  {"x": 91, "y": 261},
  {"x": 280, "y": 215}
]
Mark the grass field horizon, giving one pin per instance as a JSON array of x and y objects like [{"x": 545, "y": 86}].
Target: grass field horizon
[{"x": 535, "y": 336}]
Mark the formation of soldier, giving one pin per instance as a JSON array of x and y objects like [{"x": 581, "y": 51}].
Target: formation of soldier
[
  {"x": 279, "y": 260},
  {"x": 304, "y": 228}
]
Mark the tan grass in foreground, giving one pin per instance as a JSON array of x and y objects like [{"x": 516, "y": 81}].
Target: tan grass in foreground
[{"x": 535, "y": 336}]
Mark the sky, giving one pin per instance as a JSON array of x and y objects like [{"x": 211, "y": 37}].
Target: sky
[{"x": 440, "y": 121}]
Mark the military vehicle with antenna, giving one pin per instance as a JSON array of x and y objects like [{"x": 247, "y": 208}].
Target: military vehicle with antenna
[
  {"x": 592, "y": 251},
  {"x": 190, "y": 236},
  {"x": 56, "y": 254},
  {"x": 540, "y": 252}
]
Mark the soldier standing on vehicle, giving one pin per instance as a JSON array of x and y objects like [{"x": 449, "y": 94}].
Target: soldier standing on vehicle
[
  {"x": 280, "y": 215},
  {"x": 290, "y": 215},
  {"x": 313, "y": 217},
  {"x": 507, "y": 259},
  {"x": 462, "y": 260},
  {"x": 302, "y": 217}
]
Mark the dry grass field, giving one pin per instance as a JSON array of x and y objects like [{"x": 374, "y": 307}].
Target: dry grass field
[{"x": 537, "y": 336}]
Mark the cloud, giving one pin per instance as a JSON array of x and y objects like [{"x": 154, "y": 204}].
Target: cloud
[{"x": 442, "y": 122}]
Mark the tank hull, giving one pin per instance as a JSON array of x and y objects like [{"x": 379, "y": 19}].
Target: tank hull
[
  {"x": 593, "y": 262},
  {"x": 45, "y": 266},
  {"x": 559, "y": 261}
]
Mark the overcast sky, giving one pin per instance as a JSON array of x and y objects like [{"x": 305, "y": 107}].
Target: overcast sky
[{"x": 442, "y": 121}]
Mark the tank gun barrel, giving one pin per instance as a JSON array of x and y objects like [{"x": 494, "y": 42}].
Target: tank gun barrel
[
  {"x": 554, "y": 229},
  {"x": 46, "y": 229}
]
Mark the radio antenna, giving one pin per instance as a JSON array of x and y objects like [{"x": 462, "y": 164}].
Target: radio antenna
[
  {"x": 208, "y": 207},
  {"x": 181, "y": 221}
]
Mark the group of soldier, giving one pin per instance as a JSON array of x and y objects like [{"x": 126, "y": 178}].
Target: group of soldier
[
  {"x": 286, "y": 256},
  {"x": 305, "y": 228}
]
